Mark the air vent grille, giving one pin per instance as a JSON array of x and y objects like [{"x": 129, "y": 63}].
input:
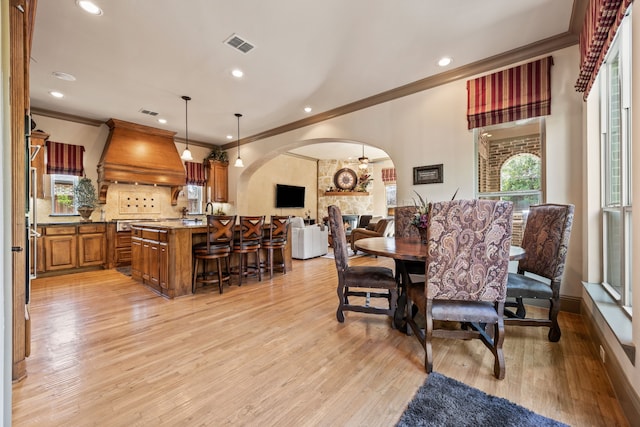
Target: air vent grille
[
  {"x": 149, "y": 112},
  {"x": 239, "y": 43}
]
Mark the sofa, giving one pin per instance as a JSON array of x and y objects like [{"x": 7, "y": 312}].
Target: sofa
[
  {"x": 308, "y": 241},
  {"x": 381, "y": 228}
]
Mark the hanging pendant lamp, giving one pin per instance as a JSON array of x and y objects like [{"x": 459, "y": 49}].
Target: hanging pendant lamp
[
  {"x": 238, "y": 163},
  {"x": 186, "y": 154},
  {"x": 364, "y": 161}
]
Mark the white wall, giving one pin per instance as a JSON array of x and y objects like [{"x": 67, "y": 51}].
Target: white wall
[{"x": 430, "y": 127}]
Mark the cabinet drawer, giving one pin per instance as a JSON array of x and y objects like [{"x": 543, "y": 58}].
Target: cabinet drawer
[
  {"x": 157, "y": 235},
  {"x": 92, "y": 228},
  {"x": 123, "y": 239},
  {"x": 60, "y": 230}
]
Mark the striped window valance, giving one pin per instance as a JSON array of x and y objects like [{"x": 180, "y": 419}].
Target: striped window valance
[
  {"x": 389, "y": 175},
  {"x": 195, "y": 173},
  {"x": 601, "y": 22},
  {"x": 518, "y": 93},
  {"x": 65, "y": 159}
]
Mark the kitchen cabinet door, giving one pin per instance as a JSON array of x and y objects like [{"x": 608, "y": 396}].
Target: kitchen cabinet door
[
  {"x": 60, "y": 252},
  {"x": 92, "y": 249}
]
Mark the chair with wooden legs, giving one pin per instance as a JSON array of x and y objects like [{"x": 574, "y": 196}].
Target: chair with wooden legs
[
  {"x": 248, "y": 240},
  {"x": 358, "y": 281},
  {"x": 466, "y": 276},
  {"x": 545, "y": 241},
  {"x": 217, "y": 247},
  {"x": 275, "y": 238}
]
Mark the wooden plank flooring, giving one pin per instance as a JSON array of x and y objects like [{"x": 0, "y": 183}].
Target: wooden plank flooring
[{"x": 106, "y": 351}]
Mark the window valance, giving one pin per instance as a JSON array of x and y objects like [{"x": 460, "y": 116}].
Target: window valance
[
  {"x": 195, "y": 173},
  {"x": 601, "y": 22},
  {"x": 65, "y": 159},
  {"x": 389, "y": 175},
  {"x": 517, "y": 93}
]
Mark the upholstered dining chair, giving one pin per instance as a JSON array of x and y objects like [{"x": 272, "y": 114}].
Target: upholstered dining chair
[
  {"x": 248, "y": 240},
  {"x": 402, "y": 217},
  {"x": 358, "y": 281},
  {"x": 275, "y": 238},
  {"x": 545, "y": 241},
  {"x": 216, "y": 247},
  {"x": 468, "y": 244}
]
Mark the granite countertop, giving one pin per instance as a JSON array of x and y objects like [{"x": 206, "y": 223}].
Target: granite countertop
[{"x": 172, "y": 223}]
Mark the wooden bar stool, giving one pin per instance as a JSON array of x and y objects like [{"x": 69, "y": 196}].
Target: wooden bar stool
[
  {"x": 276, "y": 238},
  {"x": 217, "y": 247},
  {"x": 248, "y": 240}
]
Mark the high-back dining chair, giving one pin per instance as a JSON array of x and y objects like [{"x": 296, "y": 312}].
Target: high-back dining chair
[
  {"x": 275, "y": 238},
  {"x": 468, "y": 244},
  {"x": 364, "y": 278},
  {"x": 402, "y": 217},
  {"x": 545, "y": 241},
  {"x": 248, "y": 240},
  {"x": 217, "y": 247}
]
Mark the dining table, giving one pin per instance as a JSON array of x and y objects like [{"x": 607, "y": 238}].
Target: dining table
[{"x": 406, "y": 252}]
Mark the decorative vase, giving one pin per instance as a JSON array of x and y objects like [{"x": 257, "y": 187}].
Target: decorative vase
[
  {"x": 423, "y": 234},
  {"x": 85, "y": 213}
]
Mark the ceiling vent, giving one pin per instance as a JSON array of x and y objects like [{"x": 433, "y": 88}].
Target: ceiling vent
[
  {"x": 149, "y": 112},
  {"x": 239, "y": 43}
]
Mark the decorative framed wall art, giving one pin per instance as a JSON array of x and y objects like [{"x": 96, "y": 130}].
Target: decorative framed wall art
[{"x": 431, "y": 174}]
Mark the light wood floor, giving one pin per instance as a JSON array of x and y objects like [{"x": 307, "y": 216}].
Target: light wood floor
[{"x": 106, "y": 351}]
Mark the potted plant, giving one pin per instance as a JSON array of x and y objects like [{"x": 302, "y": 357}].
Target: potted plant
[
  {"x": 218, "y": 154},
  {"x": 85, "y": 198}
]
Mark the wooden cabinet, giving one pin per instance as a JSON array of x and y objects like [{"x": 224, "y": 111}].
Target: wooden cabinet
[
  {"x": 217, "y": 181},
  {"x": 150, "y": 257},
  {"x": 92, "y": 245},
  {"x": 60, "y": 248},
  {"x": 118, "y": 246},
  {"x": 72, "y": 246}
]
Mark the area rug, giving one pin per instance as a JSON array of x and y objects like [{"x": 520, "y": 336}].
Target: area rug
[
  {"x": 443, "y": 401},
  {"x": 126, "y": 270}
]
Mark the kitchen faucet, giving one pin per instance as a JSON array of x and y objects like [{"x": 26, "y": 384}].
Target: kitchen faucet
[{"x": 206, "y": 209}]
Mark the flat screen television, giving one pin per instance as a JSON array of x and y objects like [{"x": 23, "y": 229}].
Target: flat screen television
[{"x": 289, "y": 196}]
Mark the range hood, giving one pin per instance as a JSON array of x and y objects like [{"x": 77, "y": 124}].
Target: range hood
[{"x": 137, "y": 154}]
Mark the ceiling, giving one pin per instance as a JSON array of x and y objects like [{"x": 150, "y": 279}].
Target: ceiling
[{"x": 145, "y": 54}]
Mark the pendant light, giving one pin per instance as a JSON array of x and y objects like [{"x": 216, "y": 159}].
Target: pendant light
[
  {"x": 364, "y": 161},
  {"x": 238, "y": 163},
  {"x": 186, "y": 154}
]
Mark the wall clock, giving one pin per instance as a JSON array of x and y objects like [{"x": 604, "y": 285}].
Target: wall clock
[{"x": 345, "y": 179}]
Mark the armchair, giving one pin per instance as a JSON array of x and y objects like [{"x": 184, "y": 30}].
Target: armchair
[
  {"x": 381, "y": 229},
  {"x": 308, "y": 241}
]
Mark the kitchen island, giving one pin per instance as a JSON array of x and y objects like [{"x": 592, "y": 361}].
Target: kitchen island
[
  {"x": 162, "y": 257},
  {"x": 161, "y": 254}
]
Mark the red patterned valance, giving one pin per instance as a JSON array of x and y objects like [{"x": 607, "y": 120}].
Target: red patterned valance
[
  {"x": 389, "y": 175},
  {"x": 601, "y": 22},
  {"x": 518, "y": 93},
  {"x": 195, "y": 173},
  {"x": 65, "y": 159}
]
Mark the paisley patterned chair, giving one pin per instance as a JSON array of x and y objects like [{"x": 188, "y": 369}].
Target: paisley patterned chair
[
  {"x": 365, "y": 278},
  {"x": 546, "y": 241},
  {"x": 466, "y": 276}
]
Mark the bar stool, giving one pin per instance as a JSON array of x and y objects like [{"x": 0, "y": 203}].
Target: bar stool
[
  {"x": 218, "y": 246},
  {"x": 276, "y": 238},
  {"x": 248, "y": 240}
]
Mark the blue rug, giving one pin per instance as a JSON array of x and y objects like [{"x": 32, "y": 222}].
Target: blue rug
[{"x": 443, "y": 401}]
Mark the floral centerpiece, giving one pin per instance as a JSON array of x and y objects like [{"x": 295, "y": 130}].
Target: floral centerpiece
[{"x": 364, "y": 180}]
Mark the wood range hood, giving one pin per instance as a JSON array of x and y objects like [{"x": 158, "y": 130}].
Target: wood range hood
[{"x": 136, "y": 154}]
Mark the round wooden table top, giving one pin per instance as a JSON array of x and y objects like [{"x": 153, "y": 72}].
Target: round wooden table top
[{"x": 409, "y": 249}]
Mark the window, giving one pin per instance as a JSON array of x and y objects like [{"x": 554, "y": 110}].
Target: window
[
  {"x": 615, "y": 137},
  {"x": 509, "y": 166},
  {"x": 62, "y": 194},
  {"x": 194, "y": 199}
]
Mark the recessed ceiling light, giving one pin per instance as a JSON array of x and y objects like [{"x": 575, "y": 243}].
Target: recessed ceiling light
[
  {"x": 237, "y": 73},
  {"x": 89, "y": 7},
  {"x": 56, "y": 94},
  {"x": 64, "y": 76},
  {"x": 163, "y": 121},
  {"x": 229, "y": 136},
  {"x": 307, "y": 109},
  {"x": 444, "y": 61}
]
